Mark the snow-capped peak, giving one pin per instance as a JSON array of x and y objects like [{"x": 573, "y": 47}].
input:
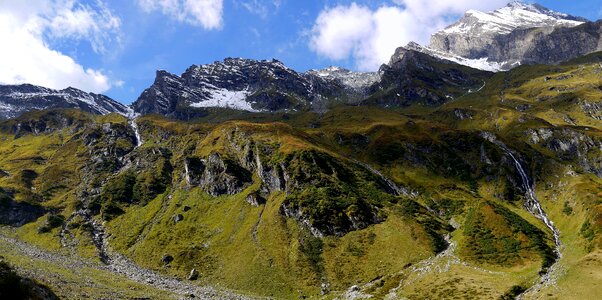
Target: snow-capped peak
[{"x": 516, "y": 15}]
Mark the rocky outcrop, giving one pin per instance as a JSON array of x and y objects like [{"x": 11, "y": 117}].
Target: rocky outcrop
[
  {"x": 356, "y": 83},
  {"x": 571, "y": 145},
  {"x": 218, "y": 176},
  {"x": 328, "y": 195},
  {"x": 592, "y": 109}
]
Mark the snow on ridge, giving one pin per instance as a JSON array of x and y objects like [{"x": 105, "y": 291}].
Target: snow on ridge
[
  {"x": 5, "y": 107},
  {"x": 478, "y": 63},
  {"x": 70, "y": 95},
  {"x": 505, "y": 20},
  {"x": 226, "y": 99}
]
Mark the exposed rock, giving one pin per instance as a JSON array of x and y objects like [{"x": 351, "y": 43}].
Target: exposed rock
[
  {"x": 194, "y": 275},
  {"x": 462, "y": 114},
  {"x": 592, "y": 109},
  {"x": 178, "y": 218},
  {"x": 571, "y": 145},
  {"x": 355, "y": 81},
  {"x": 255, "y": 199},
  {"x": 241, "y": 84},
  {"x": 167, "y": 259},
  {"x": 223, "y": 177},
  {"x": 186, "y": 208},
  {"x": 415, "y": 77}
]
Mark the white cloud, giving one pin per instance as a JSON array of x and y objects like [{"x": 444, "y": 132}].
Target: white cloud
[
  {"x": 26, "y": 57},
  {"x": 261, "y": 8},
  {"x": 371, "y": 36},
  {"x": 205, "y": 13},
  {"x": 98, "y": 25}
]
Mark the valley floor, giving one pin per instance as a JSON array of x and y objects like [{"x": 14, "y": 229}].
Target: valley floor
[{"x": 76, "y": 278}]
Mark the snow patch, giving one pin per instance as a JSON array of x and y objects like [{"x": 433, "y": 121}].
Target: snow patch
[{"x": 227, "y": 99}]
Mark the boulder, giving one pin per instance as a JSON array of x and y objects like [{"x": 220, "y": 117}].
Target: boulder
[
  {"x": 194, "y": 274},
  {"x": 167, "y": 259}
]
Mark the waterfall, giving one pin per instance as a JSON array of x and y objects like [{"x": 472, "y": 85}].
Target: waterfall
[
  {"x": 134, "y": 126},
  {"x": 132, "y": 122},
  {"x": 532, "y": 205}
]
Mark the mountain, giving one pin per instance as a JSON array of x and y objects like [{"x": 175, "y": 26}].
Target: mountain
[
  {"x": 516, "y": 34},
  {"x": 414, "y": 77},
  {"x": 244, "y": 179},
  {"x": 489, "y": 195},
  {"x": 269, "y": 86},
  {"x": 18, "y": 99},
  {"x": 240, "y": 84}
]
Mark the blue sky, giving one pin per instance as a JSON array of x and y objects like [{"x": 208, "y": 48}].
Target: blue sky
[{"x": 115, "y": 46}]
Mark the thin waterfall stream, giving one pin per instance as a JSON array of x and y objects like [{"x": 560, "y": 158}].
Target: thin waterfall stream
[
  {"x": 132, "y": 122},
  {"x": 533, "y": 206}
]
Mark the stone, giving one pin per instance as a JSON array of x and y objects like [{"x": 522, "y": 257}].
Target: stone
[
  {"x": 186, "y": 208},
  {"x": 178, "y": 218},
  {"x": 194, "y": 274},
  {"x": 255, "y": 199},
  {"x": 167, "y": 259}
]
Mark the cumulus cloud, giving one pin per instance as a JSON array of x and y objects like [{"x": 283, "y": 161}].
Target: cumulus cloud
[
  {"x": 370, "y": 36},
  {"x": 204, "y": 13},
  {"x": 26, "y": 57}
]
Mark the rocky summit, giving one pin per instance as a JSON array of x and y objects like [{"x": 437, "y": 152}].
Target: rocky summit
[
  {"x": 516, "y": 34},
  {"x": 239, "y": 84},
  {"x": 467, "y": 169}
]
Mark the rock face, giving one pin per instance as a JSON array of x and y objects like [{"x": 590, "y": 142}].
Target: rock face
[
  {"x": 241, "y": 84},
  {"x": 517, "y": 34},
  {"x": 218, "y": 176},
  {"x": 18, "y": 99},
  {"x": 584, "y": 151},
  {"x": 354, "y": 81},
  {"x": 415, "y": 77}
]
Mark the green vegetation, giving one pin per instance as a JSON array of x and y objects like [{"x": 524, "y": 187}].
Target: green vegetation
[{"x": 496, "y": 235}]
